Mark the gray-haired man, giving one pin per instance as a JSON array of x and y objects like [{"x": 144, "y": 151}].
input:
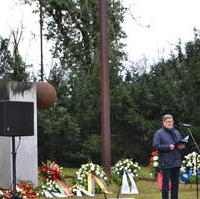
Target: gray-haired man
[{"x": 169, "y": 155}]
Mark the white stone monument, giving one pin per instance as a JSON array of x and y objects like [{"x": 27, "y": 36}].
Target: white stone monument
[{"x": 27, "y": 152}]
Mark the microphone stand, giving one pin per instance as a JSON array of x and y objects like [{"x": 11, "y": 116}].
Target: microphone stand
[{"x": 198, "y": 152}]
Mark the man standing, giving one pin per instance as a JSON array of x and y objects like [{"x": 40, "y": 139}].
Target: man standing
[{"x": 169, "y": 155}]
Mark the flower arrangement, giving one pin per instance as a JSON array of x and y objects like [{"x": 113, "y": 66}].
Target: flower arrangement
[
  {"x": 49, "y": 186},
  {"x": 4, "y": 194},
  {"x": 126, "y": 164},
  {"x": 24, "y": 189},
  {"x": 52, "y": 178},
  {"x": 1, "y": 194},
  {"x": 51, "y": 171},
  {"x": 190, "y": 163},
  {"x": 154, "y": 163},
  {"x": 82, "y": 174},
  {"x": 51, "y": 182}
]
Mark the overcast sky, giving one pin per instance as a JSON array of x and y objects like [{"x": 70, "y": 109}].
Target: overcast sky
[
  {"x": 157, "y": 26},
  {"x": 169, "y": 20}
]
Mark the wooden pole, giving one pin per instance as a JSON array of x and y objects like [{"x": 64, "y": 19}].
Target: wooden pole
[{"x": 105, "y": 89}]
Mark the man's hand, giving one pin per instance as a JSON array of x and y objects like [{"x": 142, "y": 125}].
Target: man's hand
[
  {"x": 181, "y": 146},
  {"x": 172, "y": 146}
]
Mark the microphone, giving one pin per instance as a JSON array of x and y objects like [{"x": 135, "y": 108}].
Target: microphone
[{"x": 186, "y": 125}]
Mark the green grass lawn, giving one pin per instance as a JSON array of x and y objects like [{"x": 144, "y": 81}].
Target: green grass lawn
[{"x": 148, "y": 189}]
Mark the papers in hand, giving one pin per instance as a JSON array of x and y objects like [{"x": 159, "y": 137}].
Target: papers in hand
[{"x": 183, "y": 141}]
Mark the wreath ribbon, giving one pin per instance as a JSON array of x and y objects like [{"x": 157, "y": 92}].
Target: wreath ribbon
[
  {"x": 91, "y": 184},
  {"x": 64, "y": 189},
  {"x": 126, "y": 188},
  {"x": 187, "y": 174}
]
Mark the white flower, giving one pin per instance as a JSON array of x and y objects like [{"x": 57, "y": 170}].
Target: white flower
[
  {"x": 189, "y": 164},
  {"x": 92, "y": 168},
  {"x": 79, "y": 178},
  {"x": 155, "y": 158},
  {"x": 136, "y": 164},
  {"x": 155, "y": 164},
  {"x": 194, "y": 153},
  {"x": 182, "y": 169}
]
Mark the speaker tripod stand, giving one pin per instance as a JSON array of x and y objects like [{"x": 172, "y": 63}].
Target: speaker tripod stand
[{"x": 14, "y": 155}]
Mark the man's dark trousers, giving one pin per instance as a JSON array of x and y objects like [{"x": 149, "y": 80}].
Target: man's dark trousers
[{"x": 173, "y": 175}]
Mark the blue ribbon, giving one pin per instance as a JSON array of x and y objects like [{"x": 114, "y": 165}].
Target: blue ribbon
[{"x": 186, "y": 175}]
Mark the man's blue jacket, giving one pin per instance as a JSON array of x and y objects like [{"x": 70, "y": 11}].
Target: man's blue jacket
[{"x": 161, "y": 141}]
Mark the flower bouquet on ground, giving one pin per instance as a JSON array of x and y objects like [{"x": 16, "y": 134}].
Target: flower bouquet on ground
[
  {"x": 51, "y": 171},
  {"x": 5, "y": 194},
  {"x": 52, "y": 180},
  {"x": 82, "y": 176},
  {"x": 124, "y": 165},
  {"x": 190, "y": 166},
  {"x": 24, "y": 189},
  {"x": 155, "y": 170},
  {"x": 51, "y": 184},
  {"x": 154, "y": 164},
  {"x": 191, "y": 162}
]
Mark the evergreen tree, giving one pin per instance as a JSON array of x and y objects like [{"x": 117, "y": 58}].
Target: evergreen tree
[{"x": 73, "y": 27}]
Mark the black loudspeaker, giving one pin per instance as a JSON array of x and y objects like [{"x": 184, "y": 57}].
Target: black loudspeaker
[{"x": 16, "y": 118}]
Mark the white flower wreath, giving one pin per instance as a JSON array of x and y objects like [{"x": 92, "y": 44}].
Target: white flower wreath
[
  {"x": 82, "y": 174},
  {"x": 127, "y": 165},
  {"x": 189, "y": 163}
]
